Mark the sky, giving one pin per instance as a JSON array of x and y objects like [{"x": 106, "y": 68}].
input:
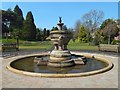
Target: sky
[{"x": 46, "y": 14}]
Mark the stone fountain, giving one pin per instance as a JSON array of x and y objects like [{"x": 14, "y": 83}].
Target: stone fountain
[
  {"x": 60, "y": 56},
  {"x": 59, "y": 62}
]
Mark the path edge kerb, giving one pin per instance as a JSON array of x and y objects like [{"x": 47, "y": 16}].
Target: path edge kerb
[{"x": 110, "y": 66}]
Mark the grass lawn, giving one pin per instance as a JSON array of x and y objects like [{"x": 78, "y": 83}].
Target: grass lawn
[
  {"x": 81, "y": 46},
  {"x": 0, "y": 40},
  {"x": 38, "y": 46},
  {"x": 47, "y": 45}
]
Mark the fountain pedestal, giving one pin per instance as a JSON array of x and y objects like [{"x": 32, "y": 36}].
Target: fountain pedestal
[{"x": 60, "y": 58}]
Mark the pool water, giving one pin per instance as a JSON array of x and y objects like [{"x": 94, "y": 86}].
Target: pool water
[{"x": 27, "y": 64}]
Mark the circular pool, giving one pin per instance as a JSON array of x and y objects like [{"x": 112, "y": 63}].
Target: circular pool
[{"x": 26, "y": 66}]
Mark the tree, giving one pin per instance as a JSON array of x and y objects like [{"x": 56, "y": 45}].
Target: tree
[
  {"x": 13, "y": 20},
  {"x": 98, "y": 37},
  {"x": 5, "y": 30},
  {"x": 110, "y": 31},
  {"x": 107, "y": 21},
  {"x": 17, "y": 25},
  {"x": 71, "y": 33},
  {"x": 29, "y": 28},
  {"x": 48, "y": 33},
  {"x": 77, "y": 28},
  {"x": 8, "y": 18},
  {"x": 64, "y": 27},
  {"x": 93, "y": 19},
  {"x": 45, "y": 33},
  {"x": 82, "y": 36},
  {"x": 38, "y": 35},
  {"x": 19, "y": 19},
  {"x": 54, "y": 28}
]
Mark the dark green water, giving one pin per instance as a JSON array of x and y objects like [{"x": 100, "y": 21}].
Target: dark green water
[{"x": 27, "y": 64}]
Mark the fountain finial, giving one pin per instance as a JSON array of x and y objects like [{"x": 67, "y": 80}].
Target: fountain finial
[
  {"x": 60, "y": 19},
  {"x": 60, "y": 24}
]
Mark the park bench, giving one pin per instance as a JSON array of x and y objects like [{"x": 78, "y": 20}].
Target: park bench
[
  {"x": 7, "y": 46},
  {"x": 108, "y": 47}
]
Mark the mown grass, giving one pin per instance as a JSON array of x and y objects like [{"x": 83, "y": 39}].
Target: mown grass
[
  {"x": 1, "y": 40},
  {"x": 47, "y": 45},
  {"x": 44, "y": 45},
  {"x": 81, "y": 46},
  {"x": 9, "y": 40}
]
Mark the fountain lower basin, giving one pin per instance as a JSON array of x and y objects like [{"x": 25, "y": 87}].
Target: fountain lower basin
[{"x": 24, "y": 65}]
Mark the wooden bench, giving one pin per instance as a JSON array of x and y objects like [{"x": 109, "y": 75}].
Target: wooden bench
[
  {"x": 108, "y": 47},
  {"x": 7, "y": 46}
]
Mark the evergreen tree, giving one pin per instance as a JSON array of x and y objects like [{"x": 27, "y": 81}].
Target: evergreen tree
[
  {"x": 48, "y": 33},
  {"x": 19, "y": 19},
  {"x": 54, "y": 28},
  {"x": 38, "y": 35},
  {"x": 15, "y": 18},
  {"x": 82, "y": 36},
  {"x": 29, "y": 27},
  {"x": 45, "y": 32},
  {"x": 64, "y": 27}
]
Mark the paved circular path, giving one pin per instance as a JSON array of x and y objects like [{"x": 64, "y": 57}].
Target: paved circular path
[{"x": 108, "y": 79}]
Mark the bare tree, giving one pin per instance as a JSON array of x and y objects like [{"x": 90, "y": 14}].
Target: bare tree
[
  {"x": 77, "y": 28},
  {"x": 92, "y": 19}
]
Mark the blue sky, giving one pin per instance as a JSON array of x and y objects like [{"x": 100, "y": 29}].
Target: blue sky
[{"x": 46, "y": 14}]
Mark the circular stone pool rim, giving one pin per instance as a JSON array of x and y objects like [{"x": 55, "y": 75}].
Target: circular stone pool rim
[{"x": 110, "y": 65}]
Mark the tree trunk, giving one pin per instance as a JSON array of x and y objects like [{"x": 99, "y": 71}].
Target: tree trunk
[{"x": 109, "y": 39}]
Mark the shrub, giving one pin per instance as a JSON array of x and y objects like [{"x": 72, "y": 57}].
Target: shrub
[{"x": 115, "y": 42}]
